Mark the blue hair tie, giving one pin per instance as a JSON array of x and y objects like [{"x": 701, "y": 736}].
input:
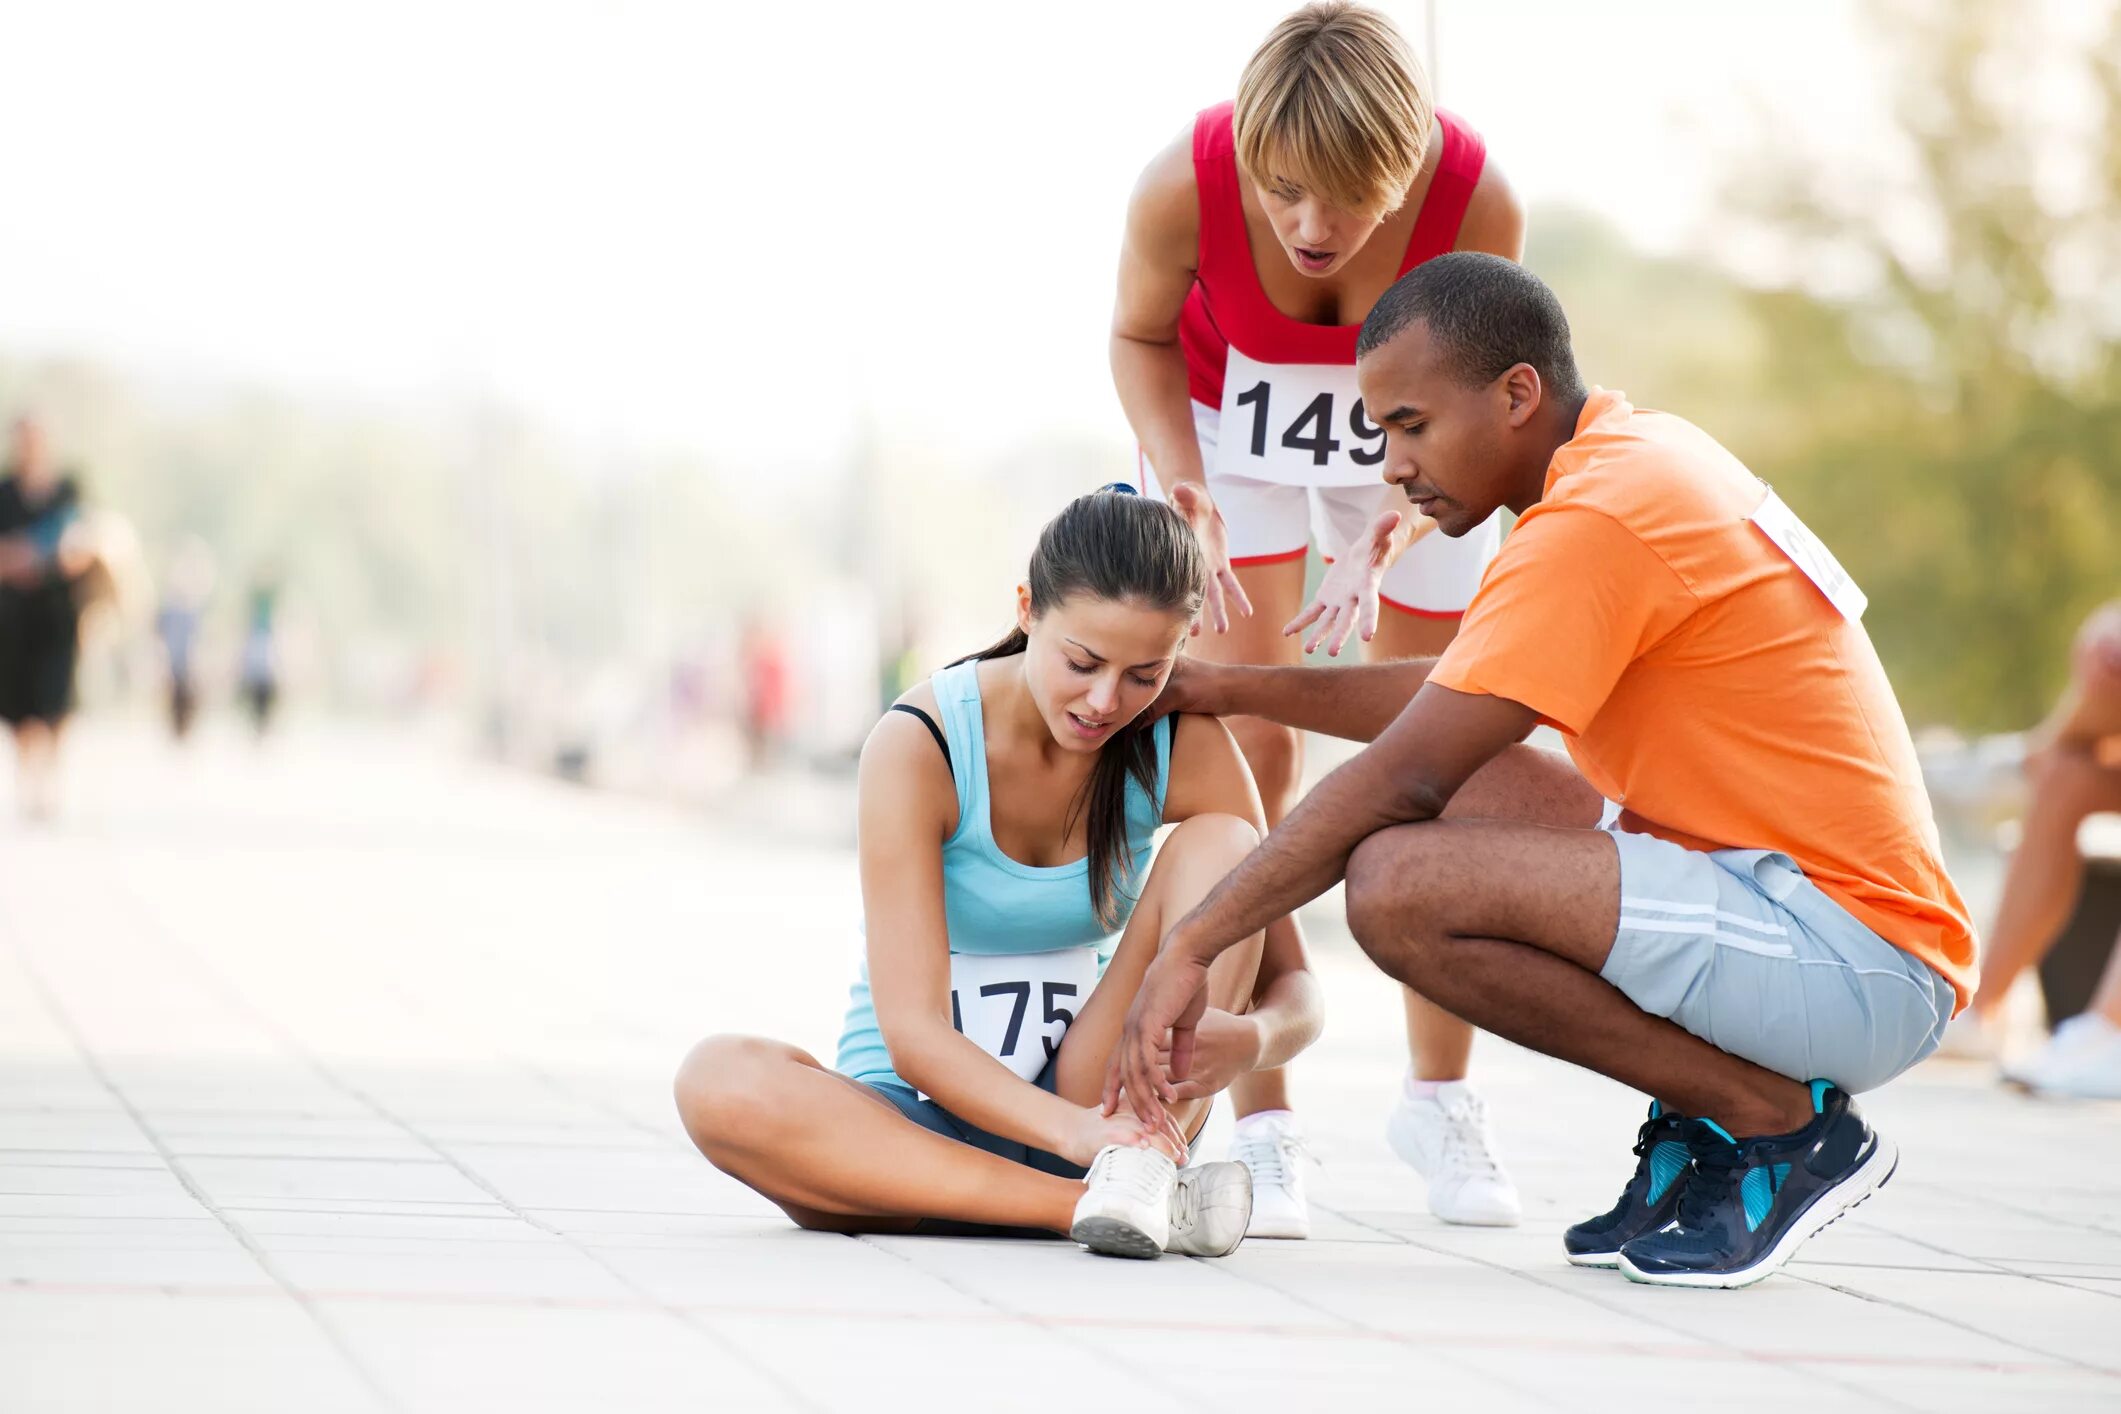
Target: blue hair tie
[{"x": 1126, "y": 486}]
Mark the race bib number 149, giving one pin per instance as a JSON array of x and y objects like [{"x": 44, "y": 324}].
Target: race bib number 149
[{"x": 1300, "y": 424}]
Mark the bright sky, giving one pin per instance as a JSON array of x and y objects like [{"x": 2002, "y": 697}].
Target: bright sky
[{"x": 736, "y": 227}]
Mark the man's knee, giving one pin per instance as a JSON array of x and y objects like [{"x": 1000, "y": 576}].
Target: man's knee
[
  {"x": 725, "y": 1087},
  {"x": 1387, "y": 910}
]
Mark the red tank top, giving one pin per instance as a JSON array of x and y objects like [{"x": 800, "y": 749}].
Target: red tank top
[{"x": 1227, "y": 306}]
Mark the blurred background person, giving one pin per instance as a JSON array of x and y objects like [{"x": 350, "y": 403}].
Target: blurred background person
[
  {"x": 259, "y": 673},
  {"x": 191, "y": 580},
  {"x": 2074, "y": 770},
  {"x": 768, "y": 695},
  {"x": 43, "y": 553}
]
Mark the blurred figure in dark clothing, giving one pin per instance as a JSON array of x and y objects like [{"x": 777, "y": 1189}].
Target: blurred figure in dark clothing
[{"x": 42, "y": 555}]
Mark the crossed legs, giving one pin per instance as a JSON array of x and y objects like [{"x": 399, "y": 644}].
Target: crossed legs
[{"x": 837, "y": 1157}]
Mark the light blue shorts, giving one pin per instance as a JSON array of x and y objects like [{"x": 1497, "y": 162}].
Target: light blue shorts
[{"x": 1738, "y": 947}]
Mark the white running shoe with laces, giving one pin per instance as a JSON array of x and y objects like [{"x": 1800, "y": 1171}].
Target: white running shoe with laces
[
  {"x": 1271, "y": 1147},
  {"x": 1446, "y": 1139},
  {"x": 1210, "y": 1205},
  {"x": 2090, "y": 1069},
  {"x": 1125, "y": 1210}
]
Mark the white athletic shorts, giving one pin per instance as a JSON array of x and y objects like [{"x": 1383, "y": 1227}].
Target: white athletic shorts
[{"x": 1271, "y": 520}]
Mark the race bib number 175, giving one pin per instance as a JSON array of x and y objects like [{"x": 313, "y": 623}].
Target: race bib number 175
[
  {"x": 1017, "y": 1006},
  {"x": 1300, "y": 424}
]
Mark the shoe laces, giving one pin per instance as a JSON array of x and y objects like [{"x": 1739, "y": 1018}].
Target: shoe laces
[
  {"x": 1465, "y": 1137},
  {"x": 1140, "y": 1173},
  {"x": 1710, "y": 1181},
  {"x": 1185, "y": 1204},
  {"x": 1271, "y": 1156}
]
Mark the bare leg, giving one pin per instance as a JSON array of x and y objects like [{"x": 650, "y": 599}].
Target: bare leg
[
  {"x": 1507, "y": 925},
  {"x": 1525, "y": 784},
  {"x": 2107, "y": 1001},
  {"x": 2090, "y": 710},
  {"x": 2046, "y": 872},
  {"x": 36, "y": 767},
  {"x": 839, "y": 1158},
  {"x": 1193, "y": 860},
  {"x": 1274, "y": 752}
]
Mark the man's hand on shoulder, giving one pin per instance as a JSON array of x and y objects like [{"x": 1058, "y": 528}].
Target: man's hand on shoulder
[{"x": 1195, "y": 685}]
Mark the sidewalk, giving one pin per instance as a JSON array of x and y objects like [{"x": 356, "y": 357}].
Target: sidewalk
[{"x": 336, "y": 1077}]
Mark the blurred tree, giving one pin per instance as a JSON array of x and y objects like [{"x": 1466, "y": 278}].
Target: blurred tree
[{"x": 1954, "y": 394}]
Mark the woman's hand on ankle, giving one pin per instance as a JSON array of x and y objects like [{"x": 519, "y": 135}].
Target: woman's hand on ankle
[{"x": 1093, "y": 1130}]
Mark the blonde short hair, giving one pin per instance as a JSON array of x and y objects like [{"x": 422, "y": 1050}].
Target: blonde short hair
[{"x": 1336, "y": 101}]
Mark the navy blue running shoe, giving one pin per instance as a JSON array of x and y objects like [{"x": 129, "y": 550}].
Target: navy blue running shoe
[
  {"x": 1749, "y": 1204},
  {"x": 1647, "y": 1202}
]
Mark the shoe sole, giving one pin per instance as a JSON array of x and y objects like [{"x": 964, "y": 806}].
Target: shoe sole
[
  {"x": 1599, "y": 1261},
  {"x": 1115, "y": 1238},
  {"x": 1870, "y": 1176},
  {"x": 1291, "y": 1232}
]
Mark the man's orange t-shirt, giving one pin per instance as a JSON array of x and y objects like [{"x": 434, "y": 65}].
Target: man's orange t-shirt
[{"x": 1703, "y": 681}]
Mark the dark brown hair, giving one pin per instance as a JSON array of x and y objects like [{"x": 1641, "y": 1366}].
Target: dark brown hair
[{"x": 1112, "y": 545}]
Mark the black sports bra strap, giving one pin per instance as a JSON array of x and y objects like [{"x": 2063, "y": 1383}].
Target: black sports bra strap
[{"x": 933, "y": 730}]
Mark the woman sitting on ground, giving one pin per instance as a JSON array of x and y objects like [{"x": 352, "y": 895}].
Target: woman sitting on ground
[
  {"x": 1006, "y": 813},
  {"x": 2075, "y": 772}
]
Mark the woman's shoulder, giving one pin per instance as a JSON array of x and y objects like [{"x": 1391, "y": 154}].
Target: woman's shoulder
[
  {"x": 1166, "y": 200},
  {"x": 905, "y": 764},
  {"x": 1207, "y": 771}
]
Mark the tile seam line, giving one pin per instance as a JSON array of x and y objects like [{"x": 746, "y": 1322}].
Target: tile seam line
[
  {"x": 1002, "y": 1313},
  {"x": 1392, "y": 1337},
  {"x": 335, "y": 1338},
  {"x": 292, "y": 1048},
  {"x": 1736, "y": 1352},
  {"x": 1993, "y": 1267},
  {"x": 1968, "y": 1327}
]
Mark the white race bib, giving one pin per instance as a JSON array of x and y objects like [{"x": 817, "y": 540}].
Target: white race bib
[
  {"x": 1809, "y": 554},
  {"x": 1298, "y": 424},
  {"x": 1017, "y": 1006}
]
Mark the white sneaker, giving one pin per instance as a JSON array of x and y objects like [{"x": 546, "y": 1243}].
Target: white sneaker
[
  {"x": 1210, "y": 1205},
  {"x": 1125, "y": 1210},
  {"x": 1446, "y": 1140},
  {"x": 2084, "y": 1032},
  {"x": 2090, "y": 1069},
  {"x": 1271, "y": 1147}
]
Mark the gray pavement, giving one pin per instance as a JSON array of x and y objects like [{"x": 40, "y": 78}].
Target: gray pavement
[{"x": 335, "y": 1076}]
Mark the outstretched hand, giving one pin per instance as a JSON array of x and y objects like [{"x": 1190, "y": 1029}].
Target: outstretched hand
[
  {"x": 1346, "y": 601},
  {"x": 1225, "y": 594}
]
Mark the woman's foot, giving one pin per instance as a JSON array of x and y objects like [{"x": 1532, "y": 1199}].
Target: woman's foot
[
  {"x": 1444, "y": 1135},
  {"x": 1137, "y": 1203},
  {"x": 1270, "y": 1145},
  {"x": 2081, "y": 1061}
]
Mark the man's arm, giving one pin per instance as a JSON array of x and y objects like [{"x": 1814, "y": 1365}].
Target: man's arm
[
  {"x": 1408, "y": 774},
  {"x": 1355, "y": 703}
]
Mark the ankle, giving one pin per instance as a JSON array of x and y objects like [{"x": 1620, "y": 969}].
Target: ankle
[{"x": 1760, "y": 1115}]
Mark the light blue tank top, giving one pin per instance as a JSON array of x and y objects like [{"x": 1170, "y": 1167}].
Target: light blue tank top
[{"x": 991, "y": 903}]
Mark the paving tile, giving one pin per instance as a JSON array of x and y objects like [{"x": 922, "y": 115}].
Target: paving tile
[
  {"x": 447, "y": 1358},
  {"x": 236, "y": 1181},
  {"x": 112, "y": 1351},
  {"x": 446, "y": 1122}
]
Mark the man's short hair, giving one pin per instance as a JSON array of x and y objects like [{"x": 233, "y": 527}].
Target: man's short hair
[{"x": 1486, "y": 314}]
